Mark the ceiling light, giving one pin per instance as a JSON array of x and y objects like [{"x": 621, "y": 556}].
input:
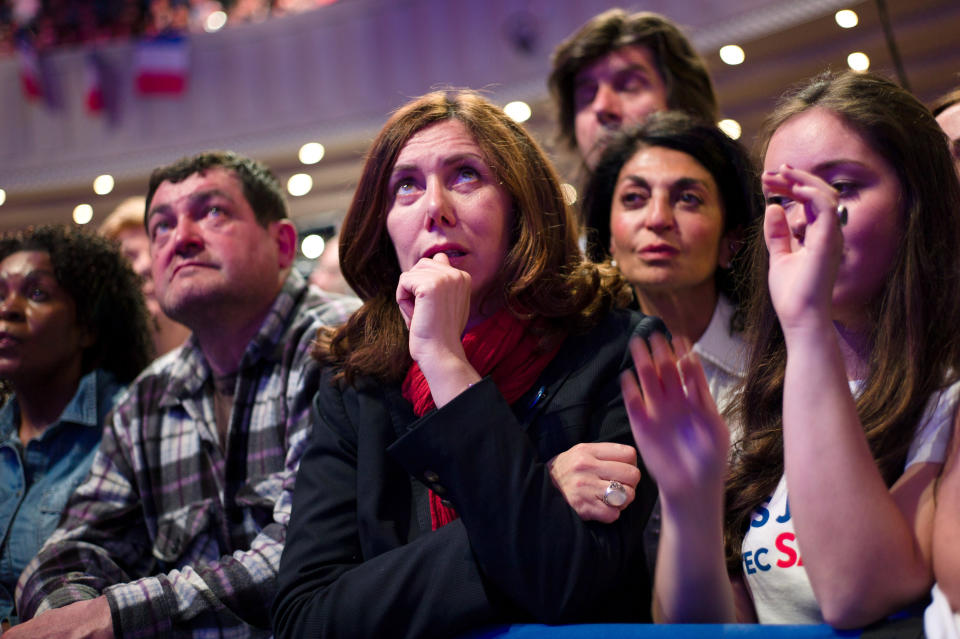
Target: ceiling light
[
  {"x": 518, "y": 111},
  {"x": 312, "y": 246},
  {"x": 858, "y": 61},
  {"x": 103, "y": 184},
  {"x": 83, "y": 213},
  {"x": 299, "y": 184},
  {"x": 732, "y": 54},
  {"x": 846, "y": 18},
  {"x": 311, "y": 153},
  {"x": 731, "y": 128}
]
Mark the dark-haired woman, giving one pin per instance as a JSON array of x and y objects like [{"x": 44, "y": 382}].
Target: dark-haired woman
[
  {"x": 670, "y": 203},
  {"x": 852, "y": 390},
  {"x": 73, "y": 333},
  {"x": 486, "y": 345}
]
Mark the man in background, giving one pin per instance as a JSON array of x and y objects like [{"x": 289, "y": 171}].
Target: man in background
[{"x": 617, "y": 69}]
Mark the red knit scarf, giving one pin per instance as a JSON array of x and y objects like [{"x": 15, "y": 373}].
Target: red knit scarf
[{"x": 501, "y": 347}]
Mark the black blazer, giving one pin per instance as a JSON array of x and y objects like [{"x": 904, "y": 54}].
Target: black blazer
[{"x": 360, "y": 558}]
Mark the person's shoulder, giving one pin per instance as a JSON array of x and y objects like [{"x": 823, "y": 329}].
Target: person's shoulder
[
  {"x": 315, "y": 309},
  {"x": 609, "y": 338},
  {"x": 334, "y": 382},
  {"x": 155, "y": 378},
  {"x": 327, "y": 309},
  {"x": 165, "y": 365},
  {"x": 625, "y": 323}
]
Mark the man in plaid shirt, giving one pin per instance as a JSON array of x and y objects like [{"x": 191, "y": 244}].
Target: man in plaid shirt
[{"x": 178, "y": 529}]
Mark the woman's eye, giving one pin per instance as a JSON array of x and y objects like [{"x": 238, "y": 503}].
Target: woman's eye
[
  {"x": 37, "y": 294},
  {"x": 634, "y": 199},
  {"x": 404, "y": 187},
  {"x": 630, "y": 200},
  {"x": 467, "y": 174},
  {"x": 215, "y": 211},
  {"x": 844, "y": 187},
  {"x": 777, "y": 200},
  {"x": 691, "y": 198}
]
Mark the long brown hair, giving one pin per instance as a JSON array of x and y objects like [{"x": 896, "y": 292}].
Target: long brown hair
[
  {"x": 915, "y": 349},
  {"x": 543, "y": 275}
]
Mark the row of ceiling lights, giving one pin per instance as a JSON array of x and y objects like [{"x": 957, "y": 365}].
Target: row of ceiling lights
[
  {"x": 298, "y": 184},
  {"x": 313, "y": 245},
  {"x": 733, "y": 55}
]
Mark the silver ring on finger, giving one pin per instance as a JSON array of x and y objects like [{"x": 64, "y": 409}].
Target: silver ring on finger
[{"x": 615, "y": 495}]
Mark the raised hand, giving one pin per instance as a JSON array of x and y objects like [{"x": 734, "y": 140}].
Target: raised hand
[
  {"x": 685, "y": 445},
  {"x": 679, "y": 432},
  {"x": 584, "y": 472},
  {"x": 802, "y": 232}
]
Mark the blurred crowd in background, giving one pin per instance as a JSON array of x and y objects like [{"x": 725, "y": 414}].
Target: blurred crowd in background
[{"x": 54, "y": 23}]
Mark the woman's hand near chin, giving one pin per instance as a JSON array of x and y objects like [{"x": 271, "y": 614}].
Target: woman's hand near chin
[{"x": 434, "y": 299}]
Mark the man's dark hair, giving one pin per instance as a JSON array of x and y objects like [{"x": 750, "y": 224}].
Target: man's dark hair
[
  {"x": 683, "y": 71},
  {"x": 105, "y": 290},
  {"x": 261, "y": 188}
]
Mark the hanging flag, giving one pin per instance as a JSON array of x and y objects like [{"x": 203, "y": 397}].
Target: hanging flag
[
  {"x": 94, "y": 85},
  {"x": 162, "y": 65},
  {"x": 31, "y": 76}
]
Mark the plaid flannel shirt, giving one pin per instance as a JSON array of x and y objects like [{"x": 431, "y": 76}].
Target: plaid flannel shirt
[{"x": 182, "y": 537}]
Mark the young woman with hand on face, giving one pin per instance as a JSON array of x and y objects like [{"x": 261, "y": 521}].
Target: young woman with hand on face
[
  {"x": 852, "y": 383},
  {"x": 485, "y": 346}
]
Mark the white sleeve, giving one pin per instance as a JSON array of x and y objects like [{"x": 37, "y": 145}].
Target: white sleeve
[
  {"x": 939, "y": 622},
  {"x": 932, "y": 437}
]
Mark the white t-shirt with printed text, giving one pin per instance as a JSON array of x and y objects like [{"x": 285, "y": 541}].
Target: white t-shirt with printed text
[{"x": 772, "y": 562}]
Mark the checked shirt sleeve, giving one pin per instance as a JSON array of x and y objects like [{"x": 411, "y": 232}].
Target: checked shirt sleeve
[{"x": 237, "y": 589}]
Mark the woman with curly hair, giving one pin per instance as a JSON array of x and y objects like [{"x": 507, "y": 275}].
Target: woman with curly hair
[
  {"x": 486, "y": 345},
  {"x": 852, "y": 387},
  {"x": 670, "y": 204},
  {"x": 73, "y": 333}
]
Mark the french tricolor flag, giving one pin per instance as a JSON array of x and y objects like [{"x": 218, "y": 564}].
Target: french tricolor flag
[
  {"x": 94, "y": 98},
  {"x": 31, "y": 76},
  {"x": 162, "y": 64}
]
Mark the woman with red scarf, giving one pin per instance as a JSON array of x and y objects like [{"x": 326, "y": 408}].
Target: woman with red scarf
[{"x": 485, "y": 346}]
